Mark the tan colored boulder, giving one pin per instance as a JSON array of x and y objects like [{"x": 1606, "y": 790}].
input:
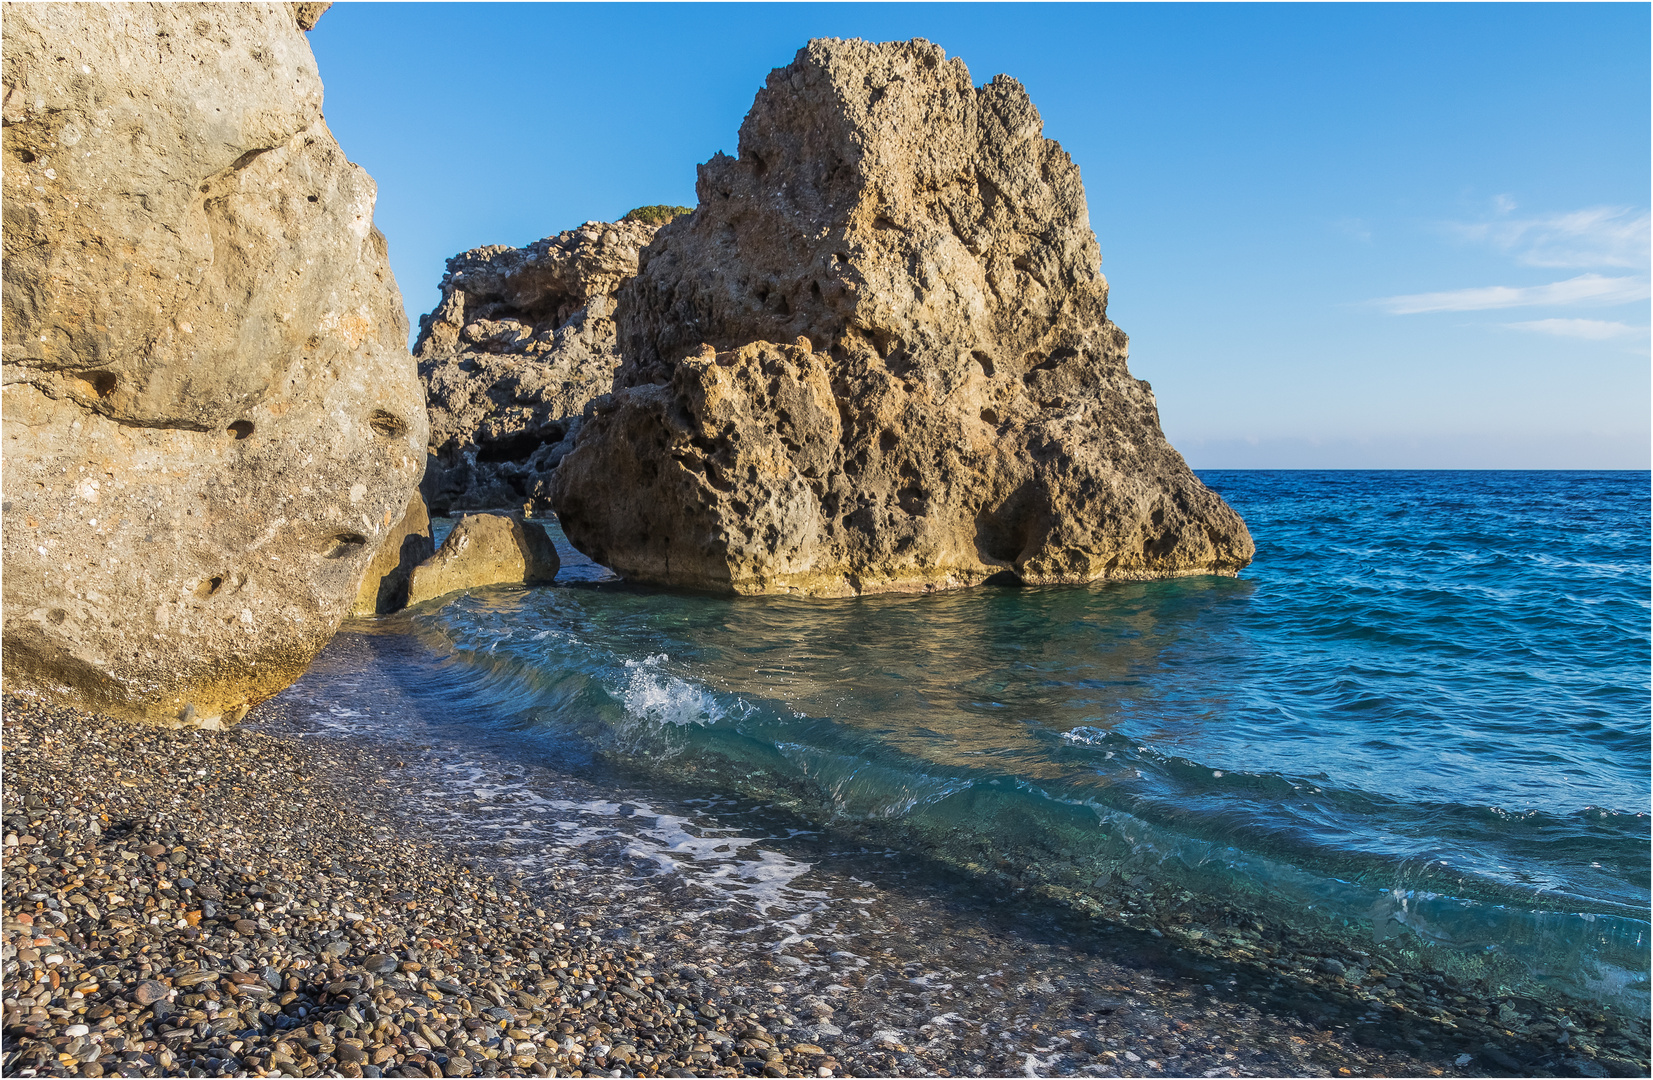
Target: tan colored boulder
[
  {"x": 211, "y": 419},
  {"x": 384, "y": 587},
  {"x": 877, "y": 358},
  {"x": 486, "y": 549}
]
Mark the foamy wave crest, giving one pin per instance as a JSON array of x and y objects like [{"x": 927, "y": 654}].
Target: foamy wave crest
[{"x": 653, "y": 694}]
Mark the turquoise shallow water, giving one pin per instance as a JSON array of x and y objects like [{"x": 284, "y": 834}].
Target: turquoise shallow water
[{"x": 1420, "y": 719}]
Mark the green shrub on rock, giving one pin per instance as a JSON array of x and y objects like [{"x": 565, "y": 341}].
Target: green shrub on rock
[{"x": 656, "y": 215}]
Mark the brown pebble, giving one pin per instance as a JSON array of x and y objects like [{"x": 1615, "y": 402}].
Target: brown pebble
[{"x": 149, "y": 992}]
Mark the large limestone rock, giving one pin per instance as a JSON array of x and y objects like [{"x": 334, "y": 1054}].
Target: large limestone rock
[
  {"x": 522, "y": 339},
  {"x": 877, "y": 357},
  {"x": 211, "y": 417},
  {"x": 486, "y": 549}
]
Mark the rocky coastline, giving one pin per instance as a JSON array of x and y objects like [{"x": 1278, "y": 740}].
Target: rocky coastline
[
  {"x": 276, "y": 901},
  {"x": 902, "y": 379}
]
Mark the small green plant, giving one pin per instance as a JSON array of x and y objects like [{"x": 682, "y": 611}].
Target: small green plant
[{"x": 656, "y": 215}]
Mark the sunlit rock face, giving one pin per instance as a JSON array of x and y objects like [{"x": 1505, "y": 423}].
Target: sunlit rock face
[
  {"x": 877, "y": 358},
  {"x": 212, "y": 421}
]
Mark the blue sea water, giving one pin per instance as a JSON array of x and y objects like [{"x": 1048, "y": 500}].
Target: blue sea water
[{"x": 1420, "y": 719}]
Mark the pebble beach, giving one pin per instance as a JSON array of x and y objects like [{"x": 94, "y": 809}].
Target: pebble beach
[{"x": 263, "y": 901}]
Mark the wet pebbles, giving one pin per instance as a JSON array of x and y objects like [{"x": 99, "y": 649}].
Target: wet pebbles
[{"x": 255, "y": 903}]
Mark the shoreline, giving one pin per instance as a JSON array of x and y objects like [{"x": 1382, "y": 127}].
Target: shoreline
[{"x": 320, "y": 917}]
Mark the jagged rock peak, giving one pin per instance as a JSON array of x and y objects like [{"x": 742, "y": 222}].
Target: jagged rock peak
[
  {"x": 911, "y": 247},
  {"x": 521, "y": 340}
]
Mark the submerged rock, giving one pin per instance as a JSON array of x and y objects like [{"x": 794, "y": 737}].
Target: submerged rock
[
  {"x": 522, "y": 339},
  {"x": 211, "y": 417},
  {"x": 486, "y": 549},
  {"x": 877, "y": 358}
]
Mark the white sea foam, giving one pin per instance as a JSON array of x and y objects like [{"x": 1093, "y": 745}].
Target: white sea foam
[
  {"x": 653, "y": 693},
  {"x": 736, "y": 868}
]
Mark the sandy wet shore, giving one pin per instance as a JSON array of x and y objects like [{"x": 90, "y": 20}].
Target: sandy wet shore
[{"x": 284, "y": 899}]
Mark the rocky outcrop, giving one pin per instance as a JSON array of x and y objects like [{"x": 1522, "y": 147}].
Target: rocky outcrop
[
  {"x": 486, "y": 549},
  {"x": 384, "y": 586},
  {"x": 211, "y": 417},
  {"x": 877, "y": 358},
  {"x": 522, "y": 339}
]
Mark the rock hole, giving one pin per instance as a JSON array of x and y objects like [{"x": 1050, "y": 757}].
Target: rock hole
[
  {"x": 759, "y": 166},
  {"x": 391, "y": 426},
  {"x": 99, "y": 383},
  {"x": 815, "y": 289},
  {"x": 241, "y": 429},
  {"x": 1158, "y": 516},
  {"x": 988, "y": 416},
  {"x": 985, "y": 361},
  {"x": 311, "y": 198},
  {"x": 782, "y": 307},
  {"x": 1160, "y": 546},
  {"x": 341, "y": 545},
  {"x": 249, "y": 157},
  {"x": 882, "y": 222},
  {"x": 887, "y": 441},
  {"x": 209, "y": 587},
  {"x": 27, "y": 157}
]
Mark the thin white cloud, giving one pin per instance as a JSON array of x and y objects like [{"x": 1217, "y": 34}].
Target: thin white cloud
[
  {"x": 1591, "y": 289},
  {"x": 1594, "y": 236},
  {"x": 1588, "y": 329},
  {"x": 1355, "y": 228}
]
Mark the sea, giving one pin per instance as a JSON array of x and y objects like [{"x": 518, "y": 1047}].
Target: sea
[{"x": 1416, "y": 726}]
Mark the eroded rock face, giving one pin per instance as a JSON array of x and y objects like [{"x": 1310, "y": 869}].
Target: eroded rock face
[
  {"x": 522, "y": 339},
  {"x": 877, "y": 358},
  {"x": 211, "y": 417},
  {"x": 486, "y": 549}
]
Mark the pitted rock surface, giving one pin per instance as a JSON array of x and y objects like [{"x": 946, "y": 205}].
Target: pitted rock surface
[
  {"x": 877, "y": 358},
  {"x": 211, "y": 417},
  {"x": 522, "y": 339}
]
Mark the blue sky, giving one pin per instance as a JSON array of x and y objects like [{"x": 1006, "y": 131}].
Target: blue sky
[{"x": 1341, "y": 236}]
